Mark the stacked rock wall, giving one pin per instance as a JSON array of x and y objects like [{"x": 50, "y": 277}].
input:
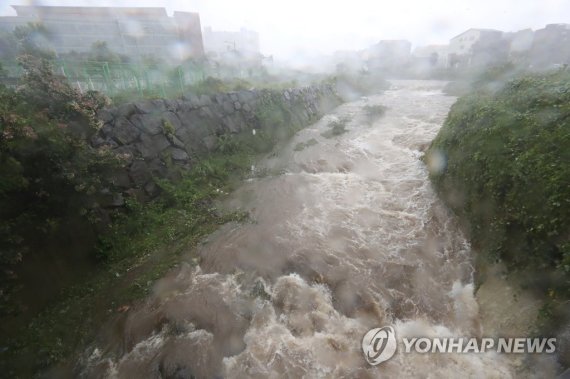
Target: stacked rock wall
[{"x": 151, "y": 135}]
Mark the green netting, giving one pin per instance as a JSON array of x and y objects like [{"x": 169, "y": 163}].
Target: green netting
[{"x": 112, "y": 78}]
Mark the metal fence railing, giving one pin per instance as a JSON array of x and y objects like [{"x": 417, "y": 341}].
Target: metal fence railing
[{"x": 112, "y": 78}]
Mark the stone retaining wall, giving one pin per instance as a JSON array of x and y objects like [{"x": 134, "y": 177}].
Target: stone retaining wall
[{"x": 151, "y": 135}]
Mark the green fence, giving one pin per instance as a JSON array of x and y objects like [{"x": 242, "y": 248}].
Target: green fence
[{"x": 112, "y": 78}]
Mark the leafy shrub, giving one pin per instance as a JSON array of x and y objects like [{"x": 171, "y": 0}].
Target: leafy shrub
[
  {"x": 47, "y": 170},
  {"x": 504, "y": 168}
]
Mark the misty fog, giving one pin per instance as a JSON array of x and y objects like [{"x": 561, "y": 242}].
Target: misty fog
[{"x": 216, "y": 189}]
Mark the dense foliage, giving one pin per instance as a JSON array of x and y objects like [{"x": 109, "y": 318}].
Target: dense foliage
[
  {"x": 502, "y": 162},
  {"x": 141, "y": 240},
  {"x": 47, "y": 170}
]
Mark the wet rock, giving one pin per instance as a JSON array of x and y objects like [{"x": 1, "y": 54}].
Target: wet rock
[
  {"x": 189, "y": 138},
  {"x": 148, "y": 123},
  {"x": 107, "y": 130},
  {"x": 171, "y": 105},
  {"x": 151, "y": 189},
  {"x": 97, "y": 140},
  {"x": 109, "y": 144},
  {"x": 138, "y": 194},
  {"x": 146, "y": 107},
  {"x": 172, "y": 119},
  {"x": 230, "y": 125},
  {"x": 120, "y": 178},
  {"x": 158, "y": 168},
  {"x": 188, "y": 119},
  {"x": 118, "y": 200},
  {"x": 219, "y": 98},
  {"x": 108, "y": 199},
  {"x": 125, "y": 110},
  {"x": 105, "y": 116},
  {"x": 194, "y": 101},
  {"x": 159, "y": 105},
  {"x": 125, "y": 132},
  {"x": 175, "y": 141},
  {"x": 245, "y": 96},
  {"x": 125, "y": 153},
  {"x": 210, "y": 142},
  {"x": 177, "y": 154},
  {"x": 151, "y": 146},
  {"x": 228, "y": 107},
  {"x": 206, "y": 112},
  {"x": 205, "y": 100},
  {"x": 139, "y": 173}
]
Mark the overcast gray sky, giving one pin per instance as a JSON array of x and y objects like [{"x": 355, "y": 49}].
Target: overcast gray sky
[{"x": 293, "y": 28}]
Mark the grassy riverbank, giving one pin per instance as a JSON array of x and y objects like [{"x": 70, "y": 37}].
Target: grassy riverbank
[
  {"x": 502, "y": 163},
  {"x": 139, "y": 243}
]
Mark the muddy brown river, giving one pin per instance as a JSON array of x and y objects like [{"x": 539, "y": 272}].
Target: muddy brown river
[{"x": 346, "y": 235}]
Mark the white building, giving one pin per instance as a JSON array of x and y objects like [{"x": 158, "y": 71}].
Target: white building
[
  {"x": 462, "y": 44},
  {"x": 130, "y": 31},
  {"x": 521, "y": 41}
]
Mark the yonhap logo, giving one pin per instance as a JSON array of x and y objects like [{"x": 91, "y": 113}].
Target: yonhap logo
[{"x": 379, "y": 345}]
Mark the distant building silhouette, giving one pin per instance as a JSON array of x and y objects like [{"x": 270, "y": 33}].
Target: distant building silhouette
[
  {"x": 389, "y": 54},
  {"x": 477, "y": 47},
  {"x": 134, "y": 32},
  {"x": 550, "y": 47},
  {"x": 245, "y": 42}
]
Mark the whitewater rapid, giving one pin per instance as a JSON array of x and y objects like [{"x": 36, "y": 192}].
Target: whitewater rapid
[{"x": 346, "y": 235}]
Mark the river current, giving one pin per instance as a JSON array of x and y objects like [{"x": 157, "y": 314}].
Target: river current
[{"x": 346, "y": 235}]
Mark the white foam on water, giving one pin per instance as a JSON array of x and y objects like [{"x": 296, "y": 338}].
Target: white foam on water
[{"x": 349, "y": 238}]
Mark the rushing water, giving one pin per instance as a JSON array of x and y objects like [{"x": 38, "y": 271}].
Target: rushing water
[{"x": 347, "y": 235}]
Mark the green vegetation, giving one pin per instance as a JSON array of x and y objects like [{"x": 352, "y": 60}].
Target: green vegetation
[
  {"x": 488, "y": 79},
  {"x": 47, "y": 170},
  {"x": 175, "y": 87},
  {"x": 51, "y": 180},
  {"x": 141, "y": 244},
  {"x": 52, "y": 185},
  {"x": 502, "y": 163}
]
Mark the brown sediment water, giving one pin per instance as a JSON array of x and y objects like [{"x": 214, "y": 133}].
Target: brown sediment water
[{"x": 346, "y": 235}]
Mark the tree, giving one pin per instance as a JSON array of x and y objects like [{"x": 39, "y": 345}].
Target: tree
[
  {"x": 8, "y": 46},
  {"x": 48, "y": 172},
  {"x": 34, "y": 39},
  {"x": 101, "y": 52}
]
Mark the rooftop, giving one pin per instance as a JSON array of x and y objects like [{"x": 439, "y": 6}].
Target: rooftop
[
  {"x": 47, "y": 11},
  {"x": 479, "y": 30}
]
